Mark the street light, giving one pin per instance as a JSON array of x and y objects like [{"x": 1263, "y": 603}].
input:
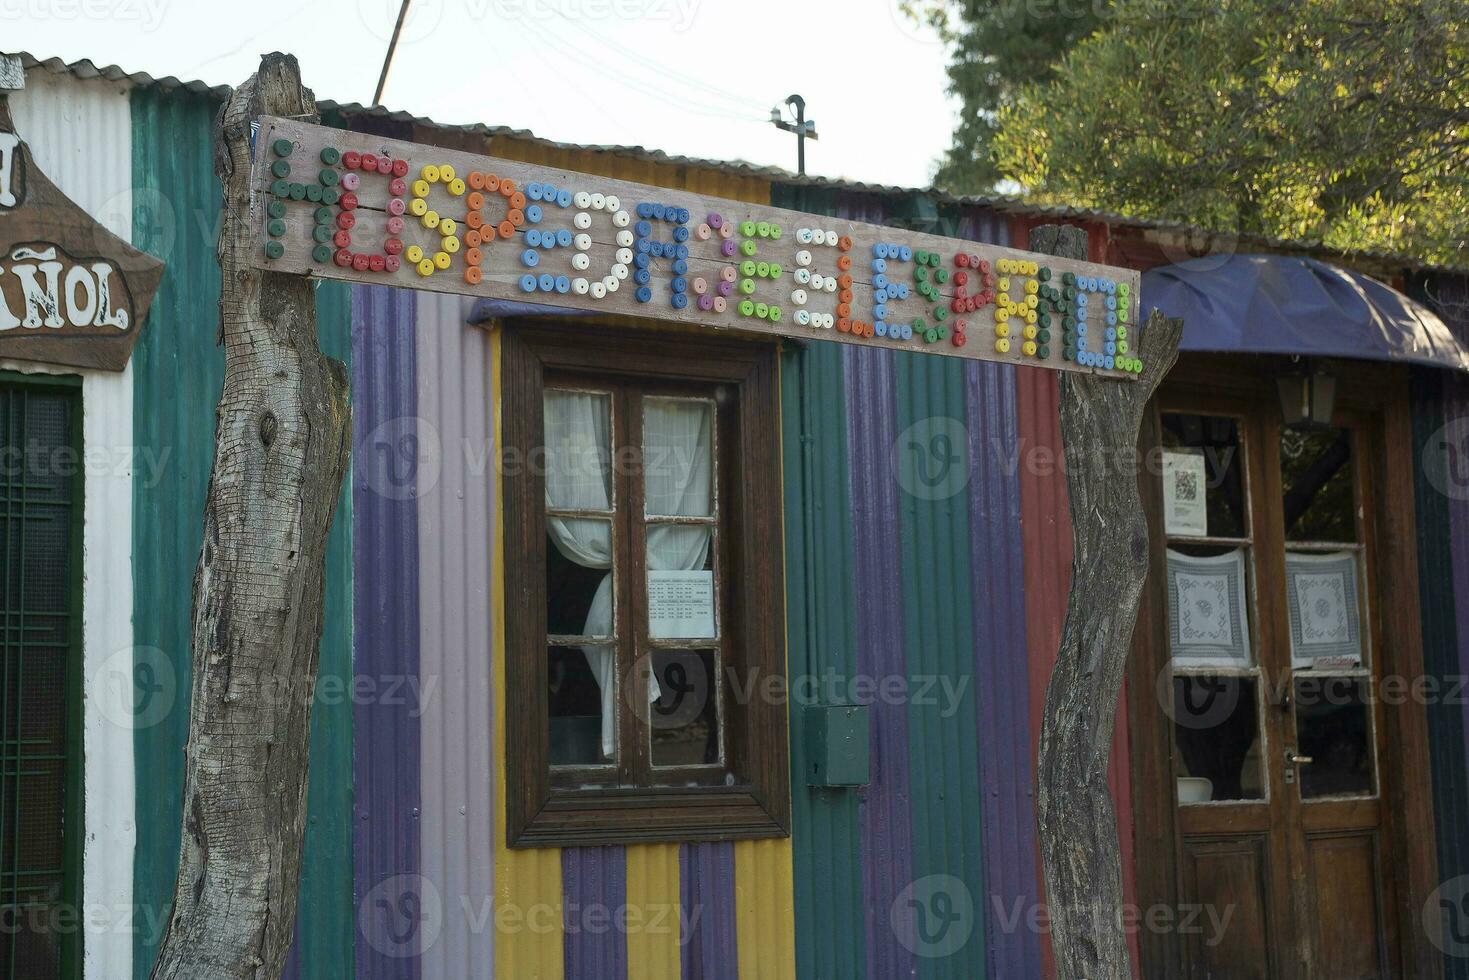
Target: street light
[
  {"x": 802, "y": 127},
  {"x": 1307, "y": 396}
]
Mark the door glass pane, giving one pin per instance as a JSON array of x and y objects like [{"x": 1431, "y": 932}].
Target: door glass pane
[
  {"x": 685, "y": 714},
  {"x": 582, "y": 696},
  {"x": 1209, "y": 622},
  {"x": 678, "y": 455},
  {"x": 1216, "y": 731},
  {"x": 578, "y": 457},
  {"x": 1318, "y": 498},
  {"x": 1333, "y": 731},
  {"x": 1323, "y": 602},
  {"x": 1203, "y": 470}
]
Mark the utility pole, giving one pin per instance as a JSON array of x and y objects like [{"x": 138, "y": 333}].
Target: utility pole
[
  {"x": 801, "y": 127},
  {"x": 382, "y": 78}
]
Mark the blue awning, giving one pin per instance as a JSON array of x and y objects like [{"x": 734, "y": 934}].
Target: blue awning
[{"x": 1276, "y": 304}]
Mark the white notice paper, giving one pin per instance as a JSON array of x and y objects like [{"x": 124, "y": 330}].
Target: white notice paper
[
  {"x": 1183, "y": 494},
  {"x": 681, "y": 605}
]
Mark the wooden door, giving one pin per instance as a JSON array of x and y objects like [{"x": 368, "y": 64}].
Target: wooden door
[{"x": 1276, "y": 753}]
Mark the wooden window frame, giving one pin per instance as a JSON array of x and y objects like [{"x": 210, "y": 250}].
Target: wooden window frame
[{"x": 539, "y": 813}]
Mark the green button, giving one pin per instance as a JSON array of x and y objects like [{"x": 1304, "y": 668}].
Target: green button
[
  {"x": 747, "y": 286},
  {"x": 330, "y": 195},
  {"x": 276, "y": 209},
  {"x": 931, "y": 335},
  {"x": 775, "y": 270},
  {"x": 1043, "y": 320},
  {"x": 762, "y": 269},
  {"x": 280, "y": 168},
  {"x": 1122, "y": 347},
  {"x": 1044, "y": 275},
  {"x": 275, "y": 227},
  {"x": 313, "y": 193},
  {"x": 918, "y": 324},
  {"x": 324, "y": 215},
  {"x": 747, "y": 307},
  {"x": 280, "y": 188},
  {"x": 748, "y": 267},
  {"x": 747, "y": 248},
  {"x": 941, "y": 276},
  {"x": 934, "y": 259},
  {"x": 1122, "y": 314},
  {"x": 329, "y": 177},
  {"x": 1068, "y": 321},
  {"x": 274, "y": 250},
  {"x": 920, "y": 274},
  {"x": 940, "y": 313},
  {"x": 1069, "y": 353},
  {"x": 1043, "y": 336},
  {"x": 762, "y": 228},
  {"x": 761, "y": 310},
  {"x": 774, "y": 313},
  {"x": 943, "y": 333},
  {"x": 282, "y": 147},
  {"x": 1068, "y": 278},
  {"x": 322, "y": 253},
  {"x": 747, "y": 228},
  {"x": 298, "y": 192},
  {"x": 1121, "y": 333},
  {"x": 322, "y": 233},
  {"x": 1043, "y": 352},
  {"x": 331, "y": 156},
  {"x": 774, "y": 231},
  {"x": 920, "y": 257}
]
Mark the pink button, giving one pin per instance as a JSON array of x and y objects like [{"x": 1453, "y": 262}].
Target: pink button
[
  {"x": 720, "y": 305},
  {"x": 726, "y": 230},
  {"x": 700, "y": 286},
  {"x": 396, "y": 206},
  {"x": 395, "y": 226},
  {"x": 728, "y": 274},
  {"x": 351, "y": 181},
  {"x": 703, "y": 232},
  {"x": 392, "y": 262},
  {"x": 397, "y": 187}
]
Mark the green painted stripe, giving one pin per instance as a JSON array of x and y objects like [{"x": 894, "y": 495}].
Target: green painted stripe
[
  {"x": 178, "y": 370},
  {"x": 939, "y": 635},
  {"x": 820, "y": 622}
]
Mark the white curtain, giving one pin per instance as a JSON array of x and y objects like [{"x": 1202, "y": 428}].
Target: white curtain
[{"x": 678, "y": 475}]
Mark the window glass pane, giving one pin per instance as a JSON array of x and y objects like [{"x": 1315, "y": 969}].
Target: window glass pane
[
  {"x": 1216, "y": 730},
  {"x": 1322, "y": 592},
  {"x": 683, "y": 603},
  {"x": 579, "y": 577},
  {"x": 1203, "y": 470},
  {"x": 1316, "y": 479},
  {"x": 1209, "y": 606},
  {"x": 583, "y": 698},
  {"x": 685, "y": 715},
  {"x": 578, "y": 450},
  {"x": 1333, "y": 731},
  {"x": 678, "y": 457}
]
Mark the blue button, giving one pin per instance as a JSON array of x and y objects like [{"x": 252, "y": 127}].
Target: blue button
[
  {"x": 533, "y": 191},
  {"x": 680, "y": 234},
  {"x": 680, "y": 267},
  {"x": 533, "y": 213},
  {"x": 1112, "y": 319},
  {"x": 880, "y": 328},
  {"x": 905, "y": 253},
  {"x": 645, "y": 210},
  {"x": 880, "y": 311},
  {"x": 1111, "y": 302},
  {"x": 642, "y": 276},
  {"x": 656, "y": 249},
  {"x": 548, "y": 192},
  {"x": 641, "y": 260},
  {"x": 679, "y": 284},
  {"x": 879, "y": 295},
  {"x": 644, "y": 294},
  {"x": 1111, "y": 362},
  {"x": 680, "y": 300},
  {"x": 903, "y": 290},
  {"x": 530, "y": 257},
  {"x": 880, "y": 250},
  {"x": 563, "y": 284},
  {"x": 681, "y": 252},
  {"x": 528, "y": 283},
  {"x": 907, "y": 332},
  {"x": 563, "y": 237},
  {"x": 879, "y": 281},
  {"x": 644, "y": 246},
  {"x": 660, "y": 211},
  {"x": 1109, "y": 348},
  {"x": 879, "y": 265},
  {"x": 643, "y": 229},
  {"x": 547, "y": 282},
  {"x": 683, "y": 216},
  {"x": 533, "y": 238},
  {"x": 1110, "y": 333}
]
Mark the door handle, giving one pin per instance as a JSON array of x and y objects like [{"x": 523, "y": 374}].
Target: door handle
[{"x": 1297, "y": 760}]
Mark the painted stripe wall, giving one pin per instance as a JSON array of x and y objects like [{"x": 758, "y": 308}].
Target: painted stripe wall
[
  {"x": 51, "y": 113},
  {"x": 178, "y": 371}
]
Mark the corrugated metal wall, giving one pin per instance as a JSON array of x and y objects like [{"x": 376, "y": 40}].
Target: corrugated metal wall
[{"x": 178, "y": 371}]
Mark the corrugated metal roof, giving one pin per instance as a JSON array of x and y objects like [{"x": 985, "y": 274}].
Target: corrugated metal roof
[{"x": 87, "y": 69}]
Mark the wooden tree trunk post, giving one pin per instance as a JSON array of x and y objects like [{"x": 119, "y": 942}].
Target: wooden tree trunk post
[
  {"x": 281, "y": 443},
  {"x": 1100, "y": 418}
]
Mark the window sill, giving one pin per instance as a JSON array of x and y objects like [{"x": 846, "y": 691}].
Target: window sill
[{"x": 575, "y": 818}]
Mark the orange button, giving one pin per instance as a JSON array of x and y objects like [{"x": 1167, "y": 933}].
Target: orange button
[
  {"x": 844, "y": 324},
  {"x": 471, "y": 238},
  {"x": 845, "y": 243},
  {"x": 472, "y": 275},
  {"x": 506, "y": 229},
  {"x": 516, "y": 217},
  {"x": 844, "y": 282},
  {"x": 474, "y": 219},
  {"x": 844, "y": 262},
  {"x": 474, "y": 201},
  {"x": 844, "y": 310},
  {"x": 517, "y": 201},
  {"x": 472, "y": 256},
  {"x": 507, "y": 186}
]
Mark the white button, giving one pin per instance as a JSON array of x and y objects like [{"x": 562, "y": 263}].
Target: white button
[
  {"x": 621, "y": 219},
  {"x": 803, "y": 276},
  {"x": 609, "y": 203},
  {"x": 611, "y": 282},
  {"x": 582, "y": 200},
  {"x": 580, "y": 286},
  {"x": 625, "y": 239},
  {"x": 599, "y": 289},
  {"x": 803, "y": 317},
  {"x": 582, "y": 220},
  {"x": 817, "y": 281},
  {"x": 803, "y": 235},
  {"x": 831, "y": 237},
  {"x": 798, "y": 296},
  {"x": 581, "y": 261},
  {"x": 803, "y": 257},
  {"x": 620, "y": 271},
  {"x": 582, "y": 241},
  {"x": 828, "y": 321},
  {"x": 829, "y": 284},
  {"x": 624, "y": 255}
]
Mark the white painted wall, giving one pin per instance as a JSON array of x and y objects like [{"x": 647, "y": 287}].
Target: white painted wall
[{"x": 80, "y": 134}]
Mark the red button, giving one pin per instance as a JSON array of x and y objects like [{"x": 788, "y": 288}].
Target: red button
[
  {"x": 348, "y": 201},
  {"x": 342, "y": 239},
  {"x": 345, "y": 220},
  {"x": 961, "y": 260},
  {"x": 961, "y": 278},
  {"x": 398, "y": 187},
  {"x": 351, "y": 159},
  {"x": 377, "y": 263},
  {"x": 393, "y": 246},
  {"x": 359, "y": 262},
  {"x": 400, "y": 168},
  {"x": 343, "y": 257},
  {"x": 369, "y": 162}
]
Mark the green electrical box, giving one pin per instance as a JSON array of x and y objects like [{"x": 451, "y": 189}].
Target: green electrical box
[{"x": 837, "y": 744}]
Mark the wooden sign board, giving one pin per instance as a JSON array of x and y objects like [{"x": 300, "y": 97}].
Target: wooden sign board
[
  {"x": 71, "y": 292},
  {"x": 343, "y": 205}
]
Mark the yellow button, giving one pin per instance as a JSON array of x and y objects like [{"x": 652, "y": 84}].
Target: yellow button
[
  {"x": 1030, "y": 331},
  {"x": 1031, "y": 316},
  {"x": 446, "y": 172},
  {"x": 418, "y": 206},
  {"x": 1002, "y": 345},
  {"x": 1029, "y": 348},
  {"x": 413, "y": 254},
  {"x": 425, "y": 267},
  {"x": 430, "y": 173},
  {"x": 1001, "y": 314},
  {"x": 1002, "y": 330},
  {"x": 447, "y": 226},
  {"x": 442, "y": 260},
  {"x": 456, "y": 187},
  {"x": 420, "y": 188},
  {"x": 1031, "y": 286},
  {"x": 430, "y": 219},
  {"x": 1004, "y": 285},
  {"x": 1032, "y": 301},
  {"x": 450, "y": 243}
]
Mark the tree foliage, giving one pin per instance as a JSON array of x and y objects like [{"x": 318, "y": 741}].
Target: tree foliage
[{"x": 1332, "y": 120}]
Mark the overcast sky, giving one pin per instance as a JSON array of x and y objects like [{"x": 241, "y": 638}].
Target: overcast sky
[{"x": 693, "y": 77}]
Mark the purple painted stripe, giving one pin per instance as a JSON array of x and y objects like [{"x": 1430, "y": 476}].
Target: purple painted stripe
[
  {"x": 1001, "y": 680},
  {"x": 385, "y": 634},
  {"x": 593, "y": 888},
  {"x": 884, "y": 816},
  {"x": 706, "y": 874}
]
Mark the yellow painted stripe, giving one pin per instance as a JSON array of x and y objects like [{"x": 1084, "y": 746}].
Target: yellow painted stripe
[
  {"x": 653, "y": 951},
  {"x": 765, "y": 906},
  {"x": 528, "y": 924}
]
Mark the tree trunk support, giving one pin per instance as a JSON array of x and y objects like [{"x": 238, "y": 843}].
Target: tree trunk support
[
  {"x": 1100, "y": 418},
  {"x": 281, "y": 444}
]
